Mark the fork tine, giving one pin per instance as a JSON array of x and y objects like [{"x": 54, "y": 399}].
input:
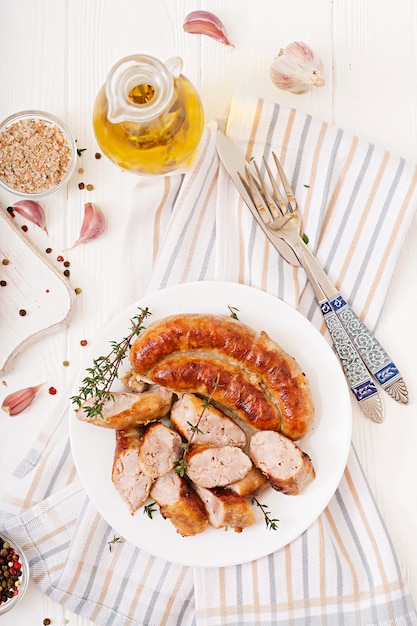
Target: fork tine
[
  {"x": 277, "y": 194},
  {"x": 276, "y": 210},
  {"x": 285, "y": 183},
  {"x": 257, "y": 198}
]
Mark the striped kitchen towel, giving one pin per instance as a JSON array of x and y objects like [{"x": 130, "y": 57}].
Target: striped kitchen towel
[{"x": 343, "y": 570}]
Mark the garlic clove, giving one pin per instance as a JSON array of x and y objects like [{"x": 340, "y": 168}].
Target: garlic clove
[
  {"x": 206, "y": 23},
  {"x": 32, "y": 211},
  {"x": 94, "y": 224},
  {"x": 18, "y": 401},
  {"x": 297, "y": 68}
]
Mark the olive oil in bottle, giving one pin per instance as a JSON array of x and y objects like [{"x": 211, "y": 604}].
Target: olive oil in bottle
[{"x": 147, "y": 117}]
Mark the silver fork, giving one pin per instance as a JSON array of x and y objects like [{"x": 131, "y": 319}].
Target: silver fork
[{"x": 357, "y": 348}]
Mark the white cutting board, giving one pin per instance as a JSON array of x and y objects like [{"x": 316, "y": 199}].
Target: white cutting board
[{"x": 33, "y": 285}]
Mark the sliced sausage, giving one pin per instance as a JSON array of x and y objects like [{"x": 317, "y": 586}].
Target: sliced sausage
[
  {"x": 179, "y": 503},
  {"x": 209, "y": 466},
  {"x": 128, "y": 410},
  {"x": 133, "y": 382},
  {"x": 286, "y": 466},
  {"x": 226, "y": 508},
  {"x": 253, "y": 483},
  {"x": 193, "y": 418},
  {"x": 160, "y": 448},
  {"x": 263, "y": 364},
  {"x": 127, "y": 476}
]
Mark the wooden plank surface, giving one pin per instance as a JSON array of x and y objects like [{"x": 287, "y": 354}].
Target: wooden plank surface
[{"x": 56, "y": 54}]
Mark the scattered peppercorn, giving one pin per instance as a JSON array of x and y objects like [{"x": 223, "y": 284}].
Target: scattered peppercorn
[
  {"x": 10, "y": 209},
  {"x": 81, "y": 170},
  {"x": 10, "y": 571},
  {"x": 81, "y": 185},
  {"x": 52, "y": 391},
  {"x": 90, "y": 187},
  {"x": 60, "y": 258},
  {"x": 67, "y": 272},
  {"x": 97, "y": 155},
  {"x": 65, "y": 363},
  {"x": 78, "y": 290},
  {"x": 46, "y": 621},
  {"x": 5, "y": 261},
  {"x": 3, "y": 283},
  {"x": 83, "y": 342},
  {"x": 67, "y": 263},
  {"x": 22, "y": 312},
  {"x": 25, "y": 228},
  {"x": 48, "y": 250}
]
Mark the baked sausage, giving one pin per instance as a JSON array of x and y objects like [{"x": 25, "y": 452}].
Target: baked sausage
[
  {"x": 179, "y": 503},
  {"x": 226, "y": 508},
  {"x": 160, "y": 448},
  {"x": 286, "y": 466},
  {"x": 209, "y": 466},
  {"x": 128, "y": 410},
  {"x": 131, "y": 483},
  {"x": 203, "y": 423},
  {"x": 189, "y": 352}
]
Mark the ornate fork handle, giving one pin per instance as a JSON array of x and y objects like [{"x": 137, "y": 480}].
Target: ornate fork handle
[
  {"x": 378, "y": 362},
  {"x": 361, "y": 383}
]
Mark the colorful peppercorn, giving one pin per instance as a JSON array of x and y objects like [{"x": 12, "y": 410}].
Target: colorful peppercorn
[{"x": 10, "y": 571}]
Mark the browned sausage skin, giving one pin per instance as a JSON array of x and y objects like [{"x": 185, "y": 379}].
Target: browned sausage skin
[{"x": 187, "y": 352}]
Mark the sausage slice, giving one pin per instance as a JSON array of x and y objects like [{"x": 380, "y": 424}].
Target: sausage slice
[
  {"x": 209, "y": 466},
  {"x": 192, "y": 418},
  {"x": 226, "y": 508},
  {"x": 179, "y": 503},
  {"x": 131, "y": 483},
  {"x": 286, "y": 466},
  {"x": 128, "y": 410},
  {"x": 160, "y": 448}
]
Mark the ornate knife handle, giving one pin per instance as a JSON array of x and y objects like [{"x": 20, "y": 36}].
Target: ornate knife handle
[
  {"x": 361, "y": 383},
  {"x": 373, "y": 354},
  {"x": 357, "y": 374},
  {"x": 378, "y": 362}
]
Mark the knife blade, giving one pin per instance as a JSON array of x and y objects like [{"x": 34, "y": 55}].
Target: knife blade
[{"x": 235, "y": 164}]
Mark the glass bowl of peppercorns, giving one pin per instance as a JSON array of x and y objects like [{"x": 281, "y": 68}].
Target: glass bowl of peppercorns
[
  {"x": 14, "y": 573},
  {"x": 38, "y": 154}
]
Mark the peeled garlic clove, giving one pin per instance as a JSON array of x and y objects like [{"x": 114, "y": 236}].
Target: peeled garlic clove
[
  {"x": 94, "y": 224},
  {"x": 18, "y": 401},
  {"x": 32, "y": 211},
  {"x": 297, "y": 68},
  {"x": 206, "y": 23}
]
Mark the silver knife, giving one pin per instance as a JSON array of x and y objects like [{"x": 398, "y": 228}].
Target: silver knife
[{"x": 355, "y": 369}]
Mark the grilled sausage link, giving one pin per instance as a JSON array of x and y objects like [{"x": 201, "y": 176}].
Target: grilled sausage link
[{"x": 190, "y": 352}]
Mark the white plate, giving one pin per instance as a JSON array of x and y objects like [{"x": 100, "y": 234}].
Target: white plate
[{"x": 327, "y": 443}]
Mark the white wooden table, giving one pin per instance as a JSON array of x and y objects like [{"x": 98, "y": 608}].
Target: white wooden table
[{"x": 54, "y": 55}]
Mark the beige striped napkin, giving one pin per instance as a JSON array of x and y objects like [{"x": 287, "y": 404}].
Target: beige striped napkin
[{"x": 343, "y": 570}]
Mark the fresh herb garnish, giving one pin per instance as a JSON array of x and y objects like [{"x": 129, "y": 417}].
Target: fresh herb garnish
[
  {"x": 180, "y": 466},
  {"x": 149, "y": 509},
  {"x": 113, "y": 541},
  {"x": 305, "y": 238},
  {"x": 271, "y": 523},
  {"x": 233, "y": 310},
  {"x": 97, "y": 384}
]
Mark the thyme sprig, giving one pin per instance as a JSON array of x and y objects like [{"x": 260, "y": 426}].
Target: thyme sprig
[
  {"x": 105, "y": 369},
  {"x": 233, "y": 311},
  {"x": 271, "y": 523},
  {"x": 181, "y": 464},
  {"x": 113, "y": 541},
  {"x": 149, "y": 509}
]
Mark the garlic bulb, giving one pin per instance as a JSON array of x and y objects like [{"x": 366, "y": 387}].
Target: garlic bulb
[{"x": 297, "y": 68}]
